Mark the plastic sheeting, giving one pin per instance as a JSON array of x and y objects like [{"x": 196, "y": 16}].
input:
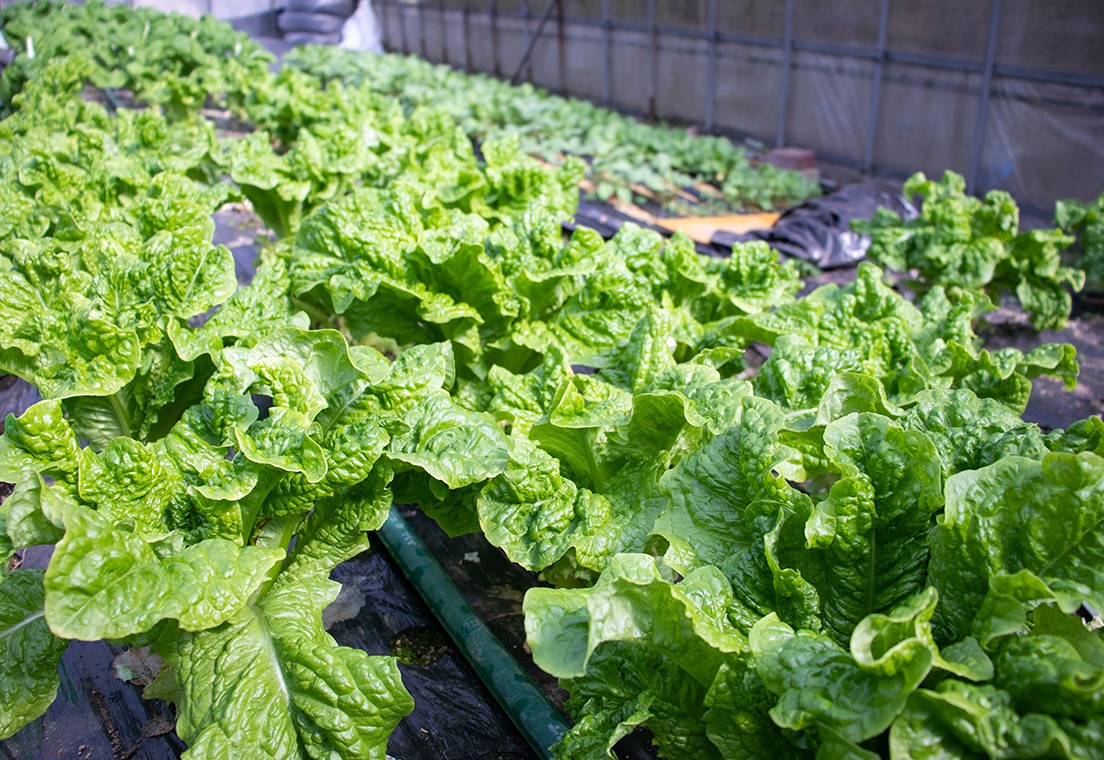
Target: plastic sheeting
[
  {"x": 16, "y": 397},
  {"x": 1042, "y": 136},
  {"x": 361, "y": 32},
  {"x": 819, "y": 230},
  {"x": 1042, "y": 142}
]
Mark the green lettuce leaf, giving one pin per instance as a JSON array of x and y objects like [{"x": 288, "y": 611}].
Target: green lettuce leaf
[
  {"x": 1057, "y": 669},
  {"x": 738, "y": 720},
  {"x": 627, "y": 686},
  {"x": 39, "y": 441},
  {"x": 536, "y": 515},
  {"x": 975, "y": 244},
  {"x": 105, "y": 582},
  {"x": 632, "y": 602},
  {"x": 731, "y": 471},
  {"x": 961, "y": 721},
  {"x": 871, "y": 530},
  {"x": 270, "y": 682},
  {"x": 1015, "y": 534},
  {"x": 818, "y": 683},
  {"x": 29, "y": 653},
  {"x": 970, "y": 432}
]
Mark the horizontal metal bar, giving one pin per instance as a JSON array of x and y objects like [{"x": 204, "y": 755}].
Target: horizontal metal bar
[
  {"x": 1045, "y": 75},
  {"x": 752, "y": 40},
  {"x": 935, "y": 62},
  {"x": 840, "y": 51},
  {"x": 1006, "y": 71}
]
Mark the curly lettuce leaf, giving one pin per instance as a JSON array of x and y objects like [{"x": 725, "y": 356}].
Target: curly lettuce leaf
[
  {"x": 1016, "y": 534},
  {"x": 961, "y": 721},
  {"x": 626, "y": 686},
  {"x": 871, "y": 530},
  {"x": 857, "y": 694},
  {"x": 271, "y": 682},
  {"x": 738, "y": 720},
  {"x": 975, "y": 244},
  {"x": 1058, "y": 668},
  {"x": 29, "y": 652},
  {"x": 868, "y": 328},
  {"x": 40, "y": 441},
  {"x": 631, "y": 601},
  {"x": 970, "y": 432},
  {"x": 1087, "y": 221},
  {"x": 537, "y": 516},
  {"x": 105, "y": 582}
]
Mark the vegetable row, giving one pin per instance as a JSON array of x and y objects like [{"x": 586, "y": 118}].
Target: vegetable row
[{"x": 857, "y": 550}]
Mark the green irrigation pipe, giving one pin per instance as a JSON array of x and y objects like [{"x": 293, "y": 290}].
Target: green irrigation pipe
[{"x": 527, "y": 707}]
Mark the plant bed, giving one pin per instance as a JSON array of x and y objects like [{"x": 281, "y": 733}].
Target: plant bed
[
  {"x": 764, "y": 522},
  {"x": 97, "y": 714}
]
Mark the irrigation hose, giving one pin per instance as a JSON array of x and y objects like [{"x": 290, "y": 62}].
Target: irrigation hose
[{"x": 527, "y": 707}]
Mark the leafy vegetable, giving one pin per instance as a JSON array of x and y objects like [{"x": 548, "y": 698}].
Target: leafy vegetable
[
  {"x": 624, "y": 155},
  {"x": 886, "y": 634},
  {"x": 867, "y": 327},
  {"x": 29, "y": 653},
  {"x": 404, "y": 264},
  {"x": 179, "y": 543},
  {"x": 976, "y": 245},
  {"x": 1087, "y": 219}
]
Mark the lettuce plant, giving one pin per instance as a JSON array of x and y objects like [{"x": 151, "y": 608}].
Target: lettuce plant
[
  {"x": 1087, "y": 221},
  {"x": 975, "y": 244},
  {"x": 198, "y": 475},
  {"x": 417, "y": 266},
  {"x": 868, "y": 327},
  {"x": 861, "y": 550},
  {"x": 917, "y": 601},
  {"x": 213, "y": 544},
  {"x": 107, "y": 252},
  {"x": 588, "y": 450}
]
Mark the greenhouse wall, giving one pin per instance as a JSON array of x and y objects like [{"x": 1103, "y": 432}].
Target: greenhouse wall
[{"x": 1009, "y": 93}]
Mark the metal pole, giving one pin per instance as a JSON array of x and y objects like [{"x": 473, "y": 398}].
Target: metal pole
[
  {"x": 421, "y": 29},
  {"x": 494, "y": 38},
  {"x": 654, "y": 94},
  {"x": 711, "y": 72},
  {"x": 444, "y": 32},
  {"x": 530, "y": 40},
  {"x": 787, "y": 53},
  {"x": 606, "y": 32},
  {"x": 402, "y": 30},
  {"x": 467, "y": 37},
  {"x": 533, "y": 40},
  {"x": 560, "y": 36},
  {"x": 385, "y": 37},
  {"x": 876, "y": 94},
  {"x": 983, "y": 99}
]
